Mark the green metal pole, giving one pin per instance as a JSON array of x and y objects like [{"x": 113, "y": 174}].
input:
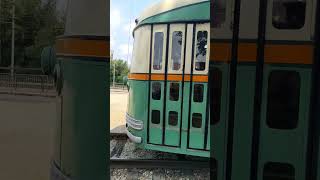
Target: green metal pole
[{"x": 81, "y": 72}]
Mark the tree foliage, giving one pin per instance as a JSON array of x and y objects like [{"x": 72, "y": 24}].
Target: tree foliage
[
  {"x": 37, "y": 23},
  {"x": 121, "y": 68}
]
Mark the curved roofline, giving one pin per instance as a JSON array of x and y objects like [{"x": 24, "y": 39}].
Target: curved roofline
[{"x": 165, "y": 6}]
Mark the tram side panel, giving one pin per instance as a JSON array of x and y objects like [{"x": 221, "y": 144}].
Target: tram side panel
[
  {"x": 137, "y": 111},
  {"x": 286, "y": 90},
  {"x": 245, "y": 90},
  {"x": 284, "y": 118},
  {"x": 157, "y": 95},
  {"x": 220, "y": 45}
]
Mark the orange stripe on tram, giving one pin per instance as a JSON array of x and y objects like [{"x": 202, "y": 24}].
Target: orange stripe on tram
[
  {"x": 274, "y": 53},
  {"x": 170, "y": 77},
  {"x": 83, "y": 47},
  {"x": 138, "y": 77}
]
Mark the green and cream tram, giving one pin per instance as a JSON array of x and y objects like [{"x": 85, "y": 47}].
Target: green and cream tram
[{"x": 168, "y": 103}]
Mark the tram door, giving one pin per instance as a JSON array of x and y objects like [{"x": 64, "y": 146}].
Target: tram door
[
  {"x": 166, "y": 85},
  {"x": 157, "y": 82},
  {"x": 272, "y": 92},
  {"x": 173, "y": 104},
  {"x": 196, "y": 84},
  {"x": 178, "y": 94}
]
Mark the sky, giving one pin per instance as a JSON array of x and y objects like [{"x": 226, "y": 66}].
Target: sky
[{"x": 122, "y": 20}]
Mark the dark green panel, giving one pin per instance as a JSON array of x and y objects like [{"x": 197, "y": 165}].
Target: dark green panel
[
  {"x": 200, "y": 11},
  {"x": 185, "y": 115},
  {"x": 156, "y": 129},
  {"x": 219, "y": 130},
  {"x": 286, "y": 145},
  {"x": 138, "y": 106},
  {"x": 243, "y": 122},
  {"x": 196, "y": 134},
  {"x": 172, "y": 132},
  {"x": 85, "y": 114}
]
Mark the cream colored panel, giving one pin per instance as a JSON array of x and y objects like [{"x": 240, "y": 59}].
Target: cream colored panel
[
  {"x": 249, "y": 19},
  {"x": 202, "y": 27},
  {"x": 189, "y": 49},
  {"x": 141, "y": 50},
  {"x": 162, "y": 29},
  {"x": 224, "y": 30},
  {"x": 171, "y": 69},
  {"x": 88, "y": 18}
]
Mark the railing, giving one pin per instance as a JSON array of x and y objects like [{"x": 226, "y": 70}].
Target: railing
[
  {"x": 118, "y": 86},
  {"x": 27, "y": 84}
]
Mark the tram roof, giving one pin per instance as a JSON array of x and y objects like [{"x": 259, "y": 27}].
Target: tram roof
[{"x": 176, "y": 10}]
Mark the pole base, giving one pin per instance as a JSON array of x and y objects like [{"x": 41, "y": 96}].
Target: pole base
[{"x": 56, "y": 173}]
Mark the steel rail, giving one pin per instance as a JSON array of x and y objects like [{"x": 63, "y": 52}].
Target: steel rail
[
  {"x": 118, "y": 136},
  {"x": 157, "y": 164}
]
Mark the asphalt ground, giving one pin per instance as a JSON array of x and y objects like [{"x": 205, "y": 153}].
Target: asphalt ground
[
  {"x": 26, "y": 137},
  {"x": 118, "y": 107}
]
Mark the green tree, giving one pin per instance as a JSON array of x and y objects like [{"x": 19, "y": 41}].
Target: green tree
[
  {"x": 37, "y": 25},
  {"x": 122, "y": 70}
]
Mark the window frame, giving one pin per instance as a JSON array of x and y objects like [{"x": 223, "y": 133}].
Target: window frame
[
  {"x": 301, "y": 26},
  {"x": 297, "y": 122},
  {"x": 174, "y": 28},
  {"x": 194, "y": 92},
  {"x": 201, "y": 119},
  {"x": 201, "y": 27},
  {"x": 152, "y": 86},
  {"x": 177, "y": 118},
  {"x": 158, "y": 111},
  {"x": 159, "y": 28},
  {"x": 303, "y": 34},
  {"x": 153, "y": 54},
  {"x": 176, "y": 99}
]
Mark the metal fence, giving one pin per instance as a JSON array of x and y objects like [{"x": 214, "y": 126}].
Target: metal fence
[
  {"x": 118, "y": 86},
  {"x": 27, "y": 84}
]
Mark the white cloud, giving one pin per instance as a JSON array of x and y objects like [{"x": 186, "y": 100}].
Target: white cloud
[
  {"x": 115, "y": 19},
  {"x": 121, "y": 52},
  {"x": 124, "y": 48},
  {"x": 129, "y": 27}
]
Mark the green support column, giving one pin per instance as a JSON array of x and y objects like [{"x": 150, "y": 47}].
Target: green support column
[{"x": 82, "y": 78}]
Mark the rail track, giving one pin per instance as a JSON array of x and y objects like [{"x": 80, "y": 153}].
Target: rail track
[
  {"x": 157, "y": 164},
  {"x": 118, "y": 136}
]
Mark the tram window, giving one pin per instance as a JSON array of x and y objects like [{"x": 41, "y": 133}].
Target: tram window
[
  {"x": 201, "y": 54},
  {"x": 196, "y": 120},
  {"x": 198, "y": 93},
  {"x": 289, "y": 14},
  {"x": 281, "y": 170},
  {"x": 283, "y": 99},
  {"x": 158, "y": 51},
  {"x": 176, "y": 50},
  {"x": 173, "y": 118},
  {"x": 155, "y": 117},
  {"x": 174, "y": 91},
  {"x": 216, "y": 96},
  {"x": 156, "y": 91},
  {"x": 218, "y": 13}
]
